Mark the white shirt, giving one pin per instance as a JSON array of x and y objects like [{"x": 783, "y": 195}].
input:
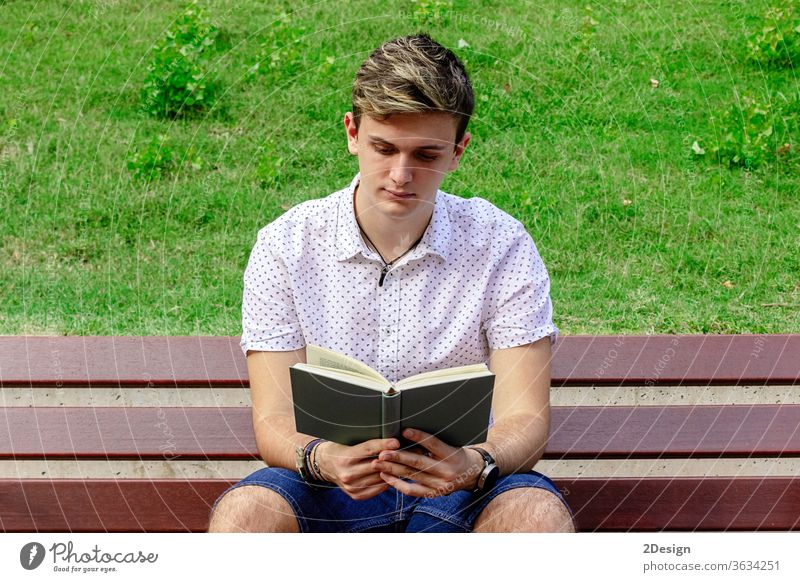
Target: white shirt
[{"x": 474, "y": 282}]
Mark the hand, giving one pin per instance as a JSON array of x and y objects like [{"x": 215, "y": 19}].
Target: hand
[
  {"x": 443, "y": 470},
  {"x": 350, "y": 467}
]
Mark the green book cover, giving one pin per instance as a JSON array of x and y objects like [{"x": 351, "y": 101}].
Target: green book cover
[{"x": 341, "y": 399}]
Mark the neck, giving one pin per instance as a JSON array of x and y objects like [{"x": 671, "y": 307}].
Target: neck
[{"x": 391, "y": 238}]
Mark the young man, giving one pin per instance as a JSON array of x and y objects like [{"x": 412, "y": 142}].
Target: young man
[{"x": 407, "y": 279}]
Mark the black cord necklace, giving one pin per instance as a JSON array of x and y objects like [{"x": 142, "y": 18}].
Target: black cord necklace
[{"x": 387, "y": 266}]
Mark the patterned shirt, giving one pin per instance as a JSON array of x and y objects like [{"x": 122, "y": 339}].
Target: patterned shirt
[{"x": 475, "y": 281}]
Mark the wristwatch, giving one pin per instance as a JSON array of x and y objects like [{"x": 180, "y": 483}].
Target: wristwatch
[{"x": 489, "y": 474}]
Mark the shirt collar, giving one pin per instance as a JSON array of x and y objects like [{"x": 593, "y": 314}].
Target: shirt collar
[{"x": 349, "y": 241}]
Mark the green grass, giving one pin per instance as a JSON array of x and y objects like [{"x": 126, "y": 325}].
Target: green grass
[{"x": 568, "y": 136}]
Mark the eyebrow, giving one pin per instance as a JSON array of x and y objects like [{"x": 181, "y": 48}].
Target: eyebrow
[{"x": 380, "y": 140}]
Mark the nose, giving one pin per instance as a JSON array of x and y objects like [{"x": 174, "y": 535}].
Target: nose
[{"x": 400, "y": 172}]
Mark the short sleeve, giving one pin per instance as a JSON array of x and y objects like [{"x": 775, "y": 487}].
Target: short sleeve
[
  {"x": 269, "y": 318},
  {"x": 519, "y": 309}
]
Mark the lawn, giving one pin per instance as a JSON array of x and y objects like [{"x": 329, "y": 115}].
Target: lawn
[{"x": 114, "y": 221}]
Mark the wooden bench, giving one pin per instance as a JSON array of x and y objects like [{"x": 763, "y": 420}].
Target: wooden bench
[{"x": 648, "y": 433}]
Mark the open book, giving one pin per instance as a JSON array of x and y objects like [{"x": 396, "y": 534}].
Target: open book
[{"x": 340, "y": 399}]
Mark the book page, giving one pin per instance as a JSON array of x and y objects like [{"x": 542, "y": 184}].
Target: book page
[
  {"x": 447, "y": 375},
  {"x": 416, "y": 383},
  {"x": 344, "y": 376},
  {"x": 325, "y": 358}
]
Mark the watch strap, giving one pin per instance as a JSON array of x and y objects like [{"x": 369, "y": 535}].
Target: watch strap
[
  {"x": 489, "y": 473},
  {"x": 487, "y": 458}
]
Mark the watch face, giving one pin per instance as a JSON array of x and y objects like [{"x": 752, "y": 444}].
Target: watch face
[{"x": 491, "y": 478}]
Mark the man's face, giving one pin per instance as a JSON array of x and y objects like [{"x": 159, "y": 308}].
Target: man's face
[{"x": 403, "y": 160}]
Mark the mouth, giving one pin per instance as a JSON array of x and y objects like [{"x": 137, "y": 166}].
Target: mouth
[{"x": 400, "y": 194}]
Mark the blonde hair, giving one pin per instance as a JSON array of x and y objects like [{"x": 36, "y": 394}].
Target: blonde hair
[{"x": 413, "y": 74}]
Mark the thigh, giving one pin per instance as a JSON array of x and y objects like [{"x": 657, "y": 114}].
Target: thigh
[
  {"x": 252, "y": 509},
  {"x": 458, "y": 511},
  {"x": 525, "y": 509},
  {"x": 325, "y": 508}
]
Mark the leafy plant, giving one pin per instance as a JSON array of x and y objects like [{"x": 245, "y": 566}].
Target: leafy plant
[
  {"x": 160, "y": 157},
  {"x": 282, "y": 52},
  {"x": 429, "y": 12},
  {"x": 270, "y": 166},
  {"x": 751, "y": 134},
  {"x": 154, "y": 160},
  {"x": 582, "y": 42},
  {"x": 778, "y": 41},
  {"x": 178, "y": 81}
]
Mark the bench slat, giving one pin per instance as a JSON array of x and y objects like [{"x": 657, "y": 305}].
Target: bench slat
[
  {"x": 175, "y": 505},
  {"x": 127, "y": 433},
  {"x": 107, "y": 505},
  {"x": 684, "y": 504},
  {"x": 226, "y": 433},
  {"x": 677, "y": 360},
  {"x": 761, "y": 430},
  {"x": 142, "y": 362},
  {"x": 577, "y": 360}
]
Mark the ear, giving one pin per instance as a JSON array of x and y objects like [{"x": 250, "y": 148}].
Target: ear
[
  {"x": 352, "y": 133},
  {"x": 459, "y": 151}
]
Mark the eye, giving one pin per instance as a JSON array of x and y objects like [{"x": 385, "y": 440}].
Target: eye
[
  {"x": 384, "y": 151},
  {"x": 425, "y": 158}
]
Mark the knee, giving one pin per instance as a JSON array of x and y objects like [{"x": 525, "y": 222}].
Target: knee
[
  {"x": 251, "y": 508},
  {"x": 525, "y": 510}
]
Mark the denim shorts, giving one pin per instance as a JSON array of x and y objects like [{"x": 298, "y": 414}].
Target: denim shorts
[{"x": 326, "y": 508}]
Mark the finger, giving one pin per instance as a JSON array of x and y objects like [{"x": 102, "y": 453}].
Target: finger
[
  {"x": 413, "y": 489},
  {"x": 418, "y": 450},
  {"x": 436, "y": 446},
  {"x": 370, "y": 480},
  {"x": 369, "y": 492},
  {"x": 414, "y": 460},
  {"x": 371, "y": 448},
  {"x": 404, "y": 471},
  {"x": 356, "y": 456},
  {"x": 398, "y": 470},
  {"x": 361, "y": 475}
]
